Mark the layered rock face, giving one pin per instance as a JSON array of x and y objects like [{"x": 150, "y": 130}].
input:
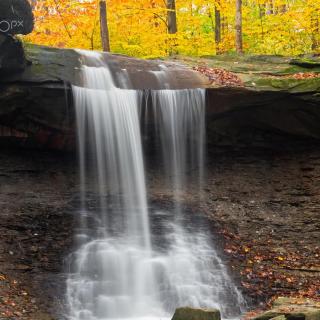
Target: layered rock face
[
  {"x": 37, "y": 105},
  {"x": 41, "y": 97}
]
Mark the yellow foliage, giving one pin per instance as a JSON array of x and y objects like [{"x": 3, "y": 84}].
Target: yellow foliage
[{"x": 139, "y": 27}]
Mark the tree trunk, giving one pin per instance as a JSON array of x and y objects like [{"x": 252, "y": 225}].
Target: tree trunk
[
  {"x": 283, "y": 8},
  {"x": 262, "y": 9},
  {"x": 315, "y": 29},
  {"x": 239, "y": 46},
  {"x": 172, "y": 17},
  {"x": 224, "y": 26},
  {"x": 104, "y": 30},
  {"x": 217, "y": 30},
  {"x": 269, "y": 6}
]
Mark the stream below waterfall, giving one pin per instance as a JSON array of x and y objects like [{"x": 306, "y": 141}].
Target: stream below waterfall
[{"x": 134, "y": 260}]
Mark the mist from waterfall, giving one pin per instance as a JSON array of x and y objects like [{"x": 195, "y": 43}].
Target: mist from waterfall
[{"x": 134, "y": 261}]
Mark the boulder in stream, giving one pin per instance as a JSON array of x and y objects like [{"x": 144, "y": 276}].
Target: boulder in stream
[{"x": 187, "y": 313}]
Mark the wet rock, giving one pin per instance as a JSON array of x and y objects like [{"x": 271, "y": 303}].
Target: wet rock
[
  {"x": 30, "y": 228},
  {"x": 292, "y": 309},
  {"x": 188, "y": 313},
  {"x": 15, "y": 17}
]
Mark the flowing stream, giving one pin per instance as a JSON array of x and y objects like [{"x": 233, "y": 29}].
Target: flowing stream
[{"x": 134, "y": 260}]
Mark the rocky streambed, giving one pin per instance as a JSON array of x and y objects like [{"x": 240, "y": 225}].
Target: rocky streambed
[
  {"x": 265, "y": 204},
  {"x": 37, "y": 190}
]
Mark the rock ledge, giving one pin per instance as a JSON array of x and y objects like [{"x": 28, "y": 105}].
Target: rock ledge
[{"x": 292, "y": 309}]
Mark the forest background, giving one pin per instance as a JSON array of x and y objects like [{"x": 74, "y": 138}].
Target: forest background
[{"x": 158, "y": 28}]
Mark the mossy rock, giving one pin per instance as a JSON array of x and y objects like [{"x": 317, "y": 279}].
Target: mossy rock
[
  {"x": 306, "y": 63},
  {"x": 188, "y": 313},
  {"x": 263, "y": 72},
  {"x": 292, "y": 309},
  {"x": 285, "y": 301},
  {"x": 268, "y": 315},
  {"x": 288, "y": 85},
  {"x": 290, "y": 315}
]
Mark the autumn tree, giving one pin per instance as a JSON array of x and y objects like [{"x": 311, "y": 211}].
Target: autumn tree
[
  {"x": 199, "y": 27},
  {"x": 217, "y": 30},
  {"x": 239, "y": 45},
  {"x": 172, "y": 17},
  {"x": 315, "y": 28},
  {"x": 104, "y": 30}
]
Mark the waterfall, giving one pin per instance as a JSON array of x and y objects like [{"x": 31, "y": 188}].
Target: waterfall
[
  {"x": 134, "y": 261},
  {"x": 197, "y": 274},
  {"x": 179, "y": 117}
]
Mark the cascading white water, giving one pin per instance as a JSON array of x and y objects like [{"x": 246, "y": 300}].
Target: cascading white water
[
  {"x": 133, "y": 261},
  {"x": 112, "y": 277},
  {"x": 179, "y": 117},
  {"x": 197, "y": 273}
]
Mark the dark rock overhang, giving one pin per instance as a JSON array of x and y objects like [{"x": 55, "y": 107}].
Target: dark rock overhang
[{"x": 36, "y": 104}]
